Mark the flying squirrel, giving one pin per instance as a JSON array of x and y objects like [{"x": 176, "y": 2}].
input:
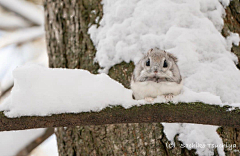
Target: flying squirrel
[{"x": 156, "y": 74}]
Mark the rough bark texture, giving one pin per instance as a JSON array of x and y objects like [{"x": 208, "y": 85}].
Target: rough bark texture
[
  {"x": 69, "y": 46},
  {"x": 163, "y": 112},
  {"x": 231, "y": 135},
  {"x": 232, "y": 24},
  {"x": 118, "y": 139},
  {"x": 68, "y": 43}
]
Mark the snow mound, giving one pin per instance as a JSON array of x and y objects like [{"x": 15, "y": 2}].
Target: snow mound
[
  {"x": 191, "y": 30},
  {"x": 44, "y": 91}
]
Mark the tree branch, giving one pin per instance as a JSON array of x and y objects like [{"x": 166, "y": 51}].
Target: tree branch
[
  {"x": 31, "y": 146},
  {"x": 24, "y": 9},
  {"x": 21, "y": 36},
  {"x": 197, "y": 113},
  {"x": 4, "y": 92}
]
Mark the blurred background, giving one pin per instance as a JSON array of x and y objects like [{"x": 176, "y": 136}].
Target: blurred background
[{"x": 22, "y": 41}]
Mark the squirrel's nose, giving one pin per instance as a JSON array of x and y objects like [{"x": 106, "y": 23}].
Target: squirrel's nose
[{"x": 155, "y": 69}]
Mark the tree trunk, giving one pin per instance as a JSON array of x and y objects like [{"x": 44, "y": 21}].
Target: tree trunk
[
  {"x": 70, "y": 46},
  {"x": 232, "y": 24},
  {"x": 231, "y": 135}
]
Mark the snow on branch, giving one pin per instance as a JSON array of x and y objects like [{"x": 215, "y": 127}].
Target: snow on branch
[
  {"x": 25, "y": 9},
  {"x": 198, "y": 113},
  {"x": 68, "y": 97},
  {"x": 41, "y": 91}
]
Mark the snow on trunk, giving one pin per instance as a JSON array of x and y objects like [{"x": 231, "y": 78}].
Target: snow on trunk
[{"x": 191, "y": 30}]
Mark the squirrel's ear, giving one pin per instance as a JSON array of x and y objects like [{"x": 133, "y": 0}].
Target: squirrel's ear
[
  {"x": 173, "y": 57},
  {"x": 149, "y": 51}
]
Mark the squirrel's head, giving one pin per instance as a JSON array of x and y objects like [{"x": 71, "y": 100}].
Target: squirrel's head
[{"x": 158, "y": 63}]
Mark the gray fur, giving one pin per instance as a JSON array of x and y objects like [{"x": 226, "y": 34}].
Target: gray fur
[{"x": 143, "y": 73}]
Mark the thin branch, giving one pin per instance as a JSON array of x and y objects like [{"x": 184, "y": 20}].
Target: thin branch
[
  {"x": 197, "y": 113},
  {"x": 28, "y": 149},
  {"x": 21, "y": 36},
  {"x": 2, "y": 94},
  {"x": 25, "y": 9},
  {"x": 11, "y": 22}
]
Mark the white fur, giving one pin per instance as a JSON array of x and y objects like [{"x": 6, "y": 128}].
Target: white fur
[{"x": 153, "y": 89}]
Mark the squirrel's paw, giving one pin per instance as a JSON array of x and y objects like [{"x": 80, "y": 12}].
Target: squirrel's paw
[
  {"x": 168, "y": 97},
  {"x": 149, "y": 99}
]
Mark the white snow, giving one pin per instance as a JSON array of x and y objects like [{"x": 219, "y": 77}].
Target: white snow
[
  {"x": 233, "y": 38},
  {"x": 191, "y": 30},
  {"x": 44, "y": 91},
  {"x": 13, "y": 141}
]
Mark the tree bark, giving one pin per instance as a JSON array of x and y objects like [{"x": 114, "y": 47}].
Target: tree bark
[
  {"x": 70, "y": 46},
  {"x": 231, "y": 135},
  {"x": 232, "y": 24}
]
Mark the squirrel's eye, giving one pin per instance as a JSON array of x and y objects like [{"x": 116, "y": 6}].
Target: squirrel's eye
[
  {"x": 165, "y": 64},
  {"x": 148, "y": 62}
]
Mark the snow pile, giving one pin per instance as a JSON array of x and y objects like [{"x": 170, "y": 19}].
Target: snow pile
[
  {"x": 44, "y": 91},
  {"x": 191, "y": 30}
]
